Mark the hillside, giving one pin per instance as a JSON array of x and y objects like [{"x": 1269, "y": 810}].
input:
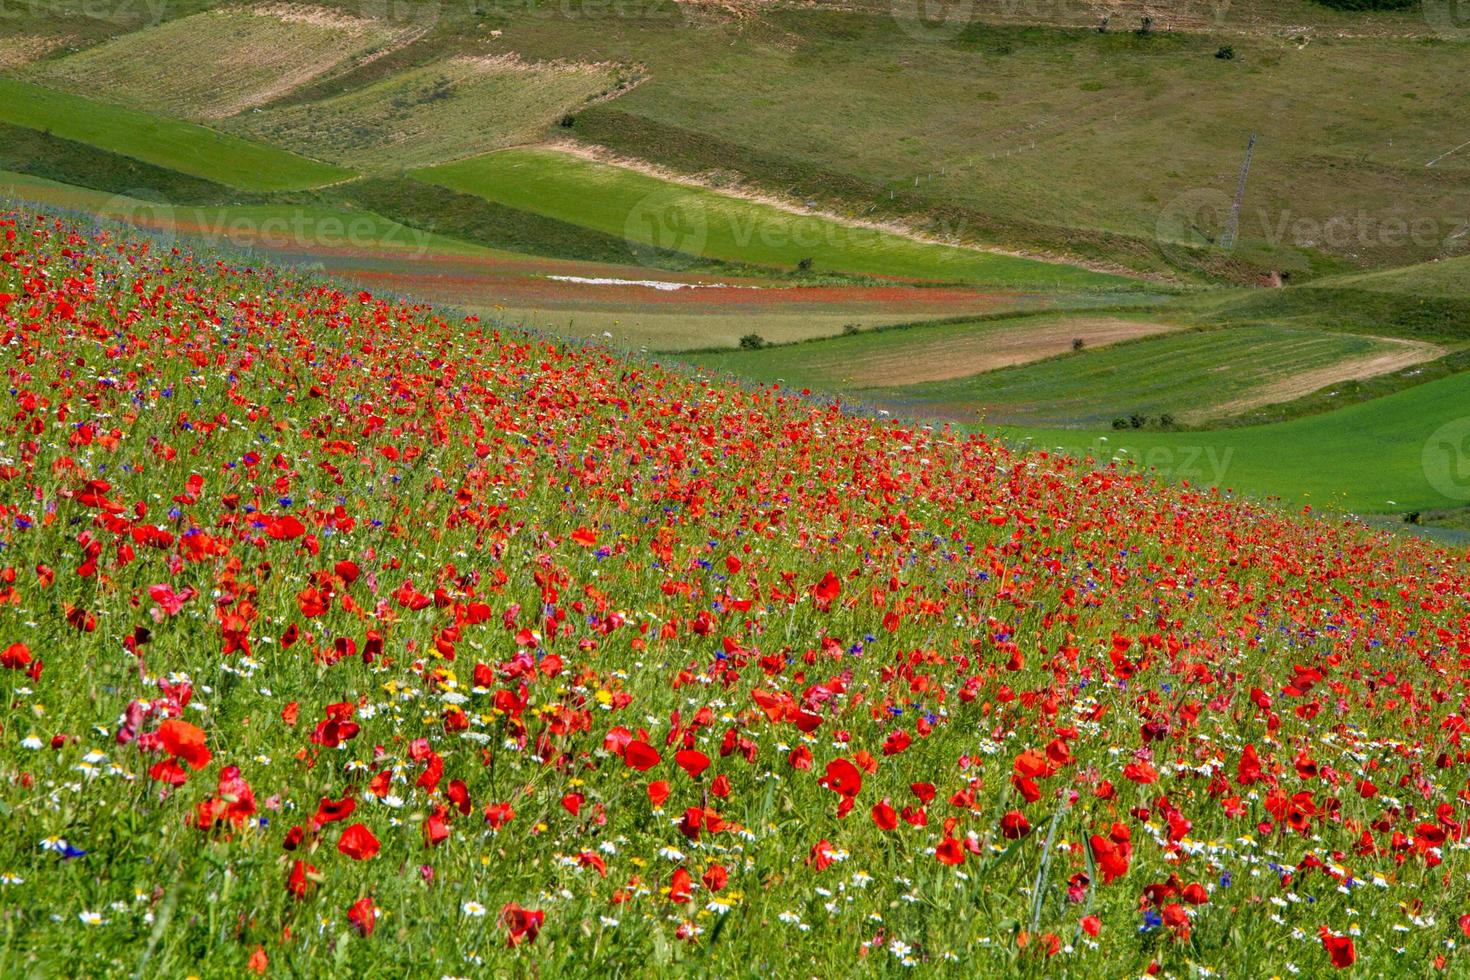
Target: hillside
[{"x": 343, "y": 634}]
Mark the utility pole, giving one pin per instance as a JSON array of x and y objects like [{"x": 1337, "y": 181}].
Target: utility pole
[{"x": 1232, "y": 225}]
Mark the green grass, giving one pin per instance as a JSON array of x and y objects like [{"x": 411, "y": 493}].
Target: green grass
[
  {"x": 1187, "y": 375},
  {"x": 660, "y": 214},
  {"x": 1391, "y": 455},
  {"x": 87, "y": 168},
  {"x": 1443, "y": 318},
  {"x": 1445, "y": 279},
  {"x": 473, "y": 218},
  {"x": 1007, "y": 127},
  {"x": 166, "y": 143},
  {"x": 451, "y": 108}
]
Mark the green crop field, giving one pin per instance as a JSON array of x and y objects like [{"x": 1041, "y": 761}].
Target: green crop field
[
  {"x": 170, "y": 143},
  {"x": 1394, "y": 454},
  {"x": 655, "y": 212}
]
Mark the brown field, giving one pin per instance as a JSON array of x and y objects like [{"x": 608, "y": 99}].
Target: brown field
[{"x": 216, "y": 64}]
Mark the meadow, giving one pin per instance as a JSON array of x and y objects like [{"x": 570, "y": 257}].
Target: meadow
[
  {"x": 343, "y": 635},
  {"x": 168, "y": 143},
  {"x": 654, "y": 212}
]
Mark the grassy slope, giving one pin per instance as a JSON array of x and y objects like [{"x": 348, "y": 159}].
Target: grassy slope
[
  {"x": 168, "y": 143},
  {"x": 1042, "y": 129},
  {"x": 642, "y": 208},
  {"x": 1389, "y": 455},
  {"x": 448, "y": 109},
  {"x": 1447, "y": 279}
]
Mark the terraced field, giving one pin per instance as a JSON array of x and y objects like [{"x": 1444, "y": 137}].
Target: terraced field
[
  {"x": 455, "y": 107},
  {"x": 659, "y": 213},
  {"x": 1190, "y": 376},
  {"x": 216, "y": 64},
  {"x": 169, "y": 143}
]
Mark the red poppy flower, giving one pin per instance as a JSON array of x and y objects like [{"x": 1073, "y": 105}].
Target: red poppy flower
[
  {"x": 358, "y": 843},
  {"x": 363, "y": 915},
  {"x": 842, "y": 778},
  {"x": 184, "y": 741},
  {"x": 692, "y": 761},
  {"x": 641, "y": 756},
  {"x": 1340, "y": 949},
  {"x": 521, "y": 925}
]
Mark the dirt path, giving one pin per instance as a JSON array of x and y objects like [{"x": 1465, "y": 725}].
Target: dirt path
[{"x": 1402, "y": 354}]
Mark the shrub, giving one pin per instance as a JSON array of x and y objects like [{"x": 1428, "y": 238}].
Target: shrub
[
  {"x": 1078, "y": 343},
  {"x": 1226, "y": 53},
  {"x": 752, "y": 341}
]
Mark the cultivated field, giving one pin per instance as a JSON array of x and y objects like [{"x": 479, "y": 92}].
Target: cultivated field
[
  {"x": 927, "y": 353},
  {"x": 219, "y": 63},
  {"x": 453, "y": 108},
  {"x": 1191, "y": 377},
  {"x": 169, "y": 143},
  {"x": 650, "y": 211}
]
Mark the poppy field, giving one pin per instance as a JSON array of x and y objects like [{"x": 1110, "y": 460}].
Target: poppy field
[{"x": 343, "y": 635}]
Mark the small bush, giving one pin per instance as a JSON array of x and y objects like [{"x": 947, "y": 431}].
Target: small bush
[
  {"x": 1078, "y": 343},
  {"x": 752, "y": 341},
  {"x": 567, "y": 121},
  {"x": 1226, "y": 53},
  {"x": 805, "y": 265}
]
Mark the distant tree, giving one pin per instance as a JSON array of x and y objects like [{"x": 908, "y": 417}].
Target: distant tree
[
  {"x": 1146, "y": 27},
  {"x": 1078, "y": 343},
  {"x": 1120, "y": 423},
  {"x": 805, "y": 265},
  {"x": 752, "y": 341},
  {"x": 1137, "y": 421},
  {"x": 568, "y": 121},
  {"x": 1226, "y": 53}
]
